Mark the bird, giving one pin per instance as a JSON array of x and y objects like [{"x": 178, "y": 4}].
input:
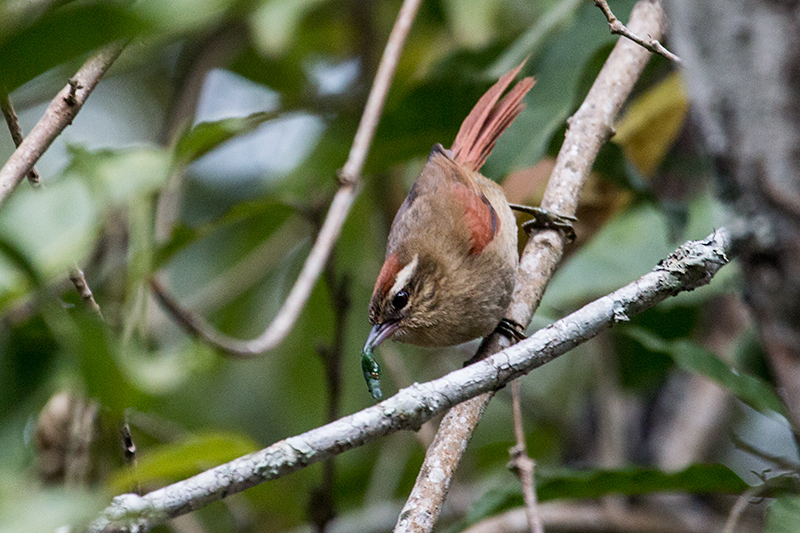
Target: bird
[{"x": 451, "y": 256}]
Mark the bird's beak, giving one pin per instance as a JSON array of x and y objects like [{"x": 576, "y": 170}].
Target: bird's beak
[{"x": 379, "y": 333}]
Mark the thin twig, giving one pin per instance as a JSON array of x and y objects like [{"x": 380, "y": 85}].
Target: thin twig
[
  {"x": 77, "y": 277},
  {"x": 129, "y": 452},
  {"x": 589, "y": 128},
  {"x": 781, "y": 462},
  {"x": 349, "y": 177},
  {"x": 16, "y": 132},
  {"x": 618, "y": 28},
  {"x": 738, "y": 508},
  {"x": 522, "y": 465},
  {"x": 59, "y": 115},
  {"x": 692, "y": 265}
]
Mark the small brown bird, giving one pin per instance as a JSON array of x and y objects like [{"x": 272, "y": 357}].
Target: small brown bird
[{"x": 451, "y": 259}]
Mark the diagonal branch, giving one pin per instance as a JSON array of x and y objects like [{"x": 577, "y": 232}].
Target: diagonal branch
[
  {"x": 16, "y": 132},
  {"x": 589, "y": 128},
  {"x": 78, "y": 278},
  {"x": 59, "y": 115},
  {"x": 349, "y": 177},
  {"x": 690, "y": 266}
]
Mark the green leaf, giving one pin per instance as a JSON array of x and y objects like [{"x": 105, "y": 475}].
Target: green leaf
[
  {"x": 116, "y": 176},
  {"x": 695, "y": 479},
  {"x": 274, "y": 23},
  {"x": 204, "y": 137},
  {"x": 179, "y": 16},
  {"x": 96, "y": 349},
  {"x": 564, "y": 483},
  {"x": 271, "y": 214},
  {"x": 27, "y": 508},
  {"x": 559, "y": 68},
  {"x": 629, "y": 246},
  {"x": 529, "y": 43},
  {"x": 53, "y": 228},
  {"x": 18, "y": 259},
  {"x": 471, "y": 22},
  {"x": 783, "y": 515},
  {"x": 182, "y": 459},
  {"x": 693, "y": 358},
  {"x": 61, "y": 35}
]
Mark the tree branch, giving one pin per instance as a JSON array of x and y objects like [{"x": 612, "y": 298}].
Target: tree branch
[
  {"x": 349, "y": 177},
  {"x": 522, "y": 465},
  {"x": 16, "y": 132},
  {"x": 77, "y": 277},
  {"x": 589, "y": 128},
  {"x": 618, "y": 28},
  {"x": 59, "y": 115},
  {"x": 690, "y": 266}
]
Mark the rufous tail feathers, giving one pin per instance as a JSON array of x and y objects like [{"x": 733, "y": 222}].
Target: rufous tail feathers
[{"x": 489, "y": 119}]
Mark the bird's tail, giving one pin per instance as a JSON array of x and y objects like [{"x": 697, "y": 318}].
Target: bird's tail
[{"x": 489, "y": 119}]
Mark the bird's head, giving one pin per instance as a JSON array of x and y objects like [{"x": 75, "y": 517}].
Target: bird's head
[{"x": 404, "y": 299}]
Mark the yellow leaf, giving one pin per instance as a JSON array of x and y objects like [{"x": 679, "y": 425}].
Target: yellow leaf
[{"x": 652, "y": 123}]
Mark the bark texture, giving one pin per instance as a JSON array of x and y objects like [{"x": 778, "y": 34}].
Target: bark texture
[{"x": 742, "y": 61}]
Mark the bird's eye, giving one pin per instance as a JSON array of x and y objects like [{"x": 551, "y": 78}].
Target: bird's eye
[{"x": 400, "y": 300}]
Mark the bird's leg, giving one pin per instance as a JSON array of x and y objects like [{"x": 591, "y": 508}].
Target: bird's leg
[{"x": 544, "y": 219}]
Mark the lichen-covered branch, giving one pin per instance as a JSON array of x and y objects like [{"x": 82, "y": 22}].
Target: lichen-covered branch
[
  {"x": 589, "y": 128},
  {"x": 690, "y": 266}
]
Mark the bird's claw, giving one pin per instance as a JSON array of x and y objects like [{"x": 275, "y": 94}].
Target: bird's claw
[
  {"x": 507, "y": 328},
  {"x": 512, "y": 330},
  {"x": 544, "y": 219}
]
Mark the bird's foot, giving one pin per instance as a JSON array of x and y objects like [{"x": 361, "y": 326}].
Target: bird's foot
[
  {"x": 507, "y": 328},
  {"x": 544, "y": 219},
  {"x": 512, "y": 330}
]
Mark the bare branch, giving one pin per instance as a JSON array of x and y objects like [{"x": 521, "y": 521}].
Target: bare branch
[
  {"x": 618, "y": 28},
  {"x": 690, "y": 266},
  {"x": 340, "y": 207},
  {"x": 59, "y": 115},
  {"x": 589, "y": 128},
  {"x": 77, "y": 277},
  {"x": 522, "y": 465},
  {"x": 16, "y": 132},
  {"x": 781, "y": 462},
  {"x": 738, "y": 508}
]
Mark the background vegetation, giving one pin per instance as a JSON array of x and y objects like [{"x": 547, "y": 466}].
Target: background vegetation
[{"x": 209, "y": 154}]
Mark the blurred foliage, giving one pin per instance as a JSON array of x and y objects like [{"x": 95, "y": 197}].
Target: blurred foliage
[
  {"x": 783, "y": 515},
  {"x": 209, "y": 155},
  {"x": 550, "y": 485},
  {"x": 175, "y": 461}
]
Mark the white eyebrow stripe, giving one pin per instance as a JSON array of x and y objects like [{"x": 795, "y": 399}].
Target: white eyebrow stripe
[{"x": 404, "y": 275}]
